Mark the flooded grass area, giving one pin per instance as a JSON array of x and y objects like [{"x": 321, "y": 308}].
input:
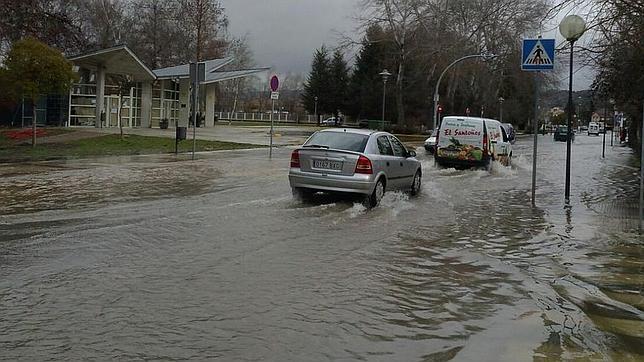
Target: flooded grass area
[
  {"x": 163, "y": 258},
  {"x": 107, "y": 145}
]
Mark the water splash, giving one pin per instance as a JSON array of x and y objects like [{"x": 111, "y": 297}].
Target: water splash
[
  {"x": 396, "y": 202},
  {"x": 356, "y": 210}
]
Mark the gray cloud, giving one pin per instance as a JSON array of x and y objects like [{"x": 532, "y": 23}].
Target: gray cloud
[{"x": 284, "y": 33}]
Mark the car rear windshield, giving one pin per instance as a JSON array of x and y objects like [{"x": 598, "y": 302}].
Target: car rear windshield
[{"x": 339, "y": 140}]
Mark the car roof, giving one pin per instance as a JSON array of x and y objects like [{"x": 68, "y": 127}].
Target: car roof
[
  {"x": 472, "y": 118},
  {"x": 366, "y": 132}
]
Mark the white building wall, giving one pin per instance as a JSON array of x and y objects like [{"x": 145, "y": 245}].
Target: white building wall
[
  {"x": 210, "y": 105},
  {"x": 100, "y": 94},
  {"x": 184, "y": 102},
  {"x": 146, "y": 104}
]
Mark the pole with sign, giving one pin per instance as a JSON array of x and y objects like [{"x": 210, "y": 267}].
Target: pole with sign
[
  {"x": 275, "y": 83},
  {"x": 538, "y": 55},
  {"x": 197, "y": 75}
]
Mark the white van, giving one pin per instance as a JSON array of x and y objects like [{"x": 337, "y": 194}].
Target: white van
[
  {"x": 593, "y": 128},
  {"x": 471, "y": 142}
]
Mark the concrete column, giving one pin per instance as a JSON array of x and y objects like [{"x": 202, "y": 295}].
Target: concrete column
[
  {"x": 146, "y": 104},
  {"x": 100, "y": 95},
  {"x": 210, "y": 105},
  {"x": 184, "y": 102}
]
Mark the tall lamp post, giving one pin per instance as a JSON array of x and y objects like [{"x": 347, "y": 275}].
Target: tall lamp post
[
  {"x": 501, "y": 100},
  {"x": 385, "y": 75},
  {"x": 438, "y": 83},
  {"x": 612, "y": 103},
  {"x": 317, "y": 120},
  {"x": 572, "y": 27}
]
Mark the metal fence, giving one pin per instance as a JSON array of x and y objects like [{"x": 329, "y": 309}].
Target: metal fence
[{"x": 266, "y": 117}]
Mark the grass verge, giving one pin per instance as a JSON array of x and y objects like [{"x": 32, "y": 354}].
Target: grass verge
[{"x": 106, "y": 145}]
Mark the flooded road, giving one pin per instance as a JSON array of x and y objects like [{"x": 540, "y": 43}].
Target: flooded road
[{"x": 154, "y": 258}]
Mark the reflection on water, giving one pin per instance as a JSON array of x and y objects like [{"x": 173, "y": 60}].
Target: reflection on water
[{"x": 152, "y": 258}]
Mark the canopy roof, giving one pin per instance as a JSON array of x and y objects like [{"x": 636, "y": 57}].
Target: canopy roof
[
  {"x": 222, "y": 76},
  {"x": 116, "y": 60},
  {"x": 212, "y": 73},
  {"x": 183, "y": 70},
  {"x": 121, "y": 60}
]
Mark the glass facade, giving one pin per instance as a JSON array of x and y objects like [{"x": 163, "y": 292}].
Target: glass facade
[
  {"x": 82, "y": 102},
  {"x": 165, "y": 102}
]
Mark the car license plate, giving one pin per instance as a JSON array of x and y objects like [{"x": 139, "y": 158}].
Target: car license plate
[{"x": 327, "y": 165}]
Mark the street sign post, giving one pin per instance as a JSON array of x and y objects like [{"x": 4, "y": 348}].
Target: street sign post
[
  {"x": 197, "y": 75},
  {"x": 537, "y": 55},
  {"x": 275, "y": 84}
]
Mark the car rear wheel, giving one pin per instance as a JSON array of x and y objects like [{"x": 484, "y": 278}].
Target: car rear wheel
[
  {"x": 415, "y": 184},
  {"x": 377, "y": 194}
]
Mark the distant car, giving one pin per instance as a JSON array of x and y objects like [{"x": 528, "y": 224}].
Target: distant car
[
  {"x": 593, "y": 128},
  {"x": 509, "y": 130},
  {"x": 332, "y": 121},
  {"x": 353, "y": 161},
  {"x": 561, "y": 134},
  {"x": 430, "y": 143},
  {"x": 584, "y": 128}
]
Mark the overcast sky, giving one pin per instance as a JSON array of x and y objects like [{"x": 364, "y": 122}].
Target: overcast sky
[{"x": 283, "y": 34}]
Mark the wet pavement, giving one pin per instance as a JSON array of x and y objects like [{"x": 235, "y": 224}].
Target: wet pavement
[
  {"x": 257, "y": 134},
  {"x": 153, "y": 257}
]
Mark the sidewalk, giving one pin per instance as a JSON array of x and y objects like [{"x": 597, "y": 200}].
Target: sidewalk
[{"x": 257, "y": 135}]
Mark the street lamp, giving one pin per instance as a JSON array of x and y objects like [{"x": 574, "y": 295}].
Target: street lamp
[
  {"x": 501, "y": 99},
  {"x": 572, "y": 27},
  {"x": 612, "y": 133},
  {"x": 316, "y": 110},
  {"x": 385, "y": 75},
  {"x": 438, "y": 83}
]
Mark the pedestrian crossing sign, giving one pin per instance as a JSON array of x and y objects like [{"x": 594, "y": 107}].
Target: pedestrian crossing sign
[{"x": 538, "y": 54}]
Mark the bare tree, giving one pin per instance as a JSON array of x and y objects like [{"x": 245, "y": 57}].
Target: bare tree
[
  {"x": 106, "y": 22},
  {"x": 400, "y": 18},
  {"x": 155, "y": 37},
  {"x": 242, "y": 56},
  {"x": 203, "y": 21}
]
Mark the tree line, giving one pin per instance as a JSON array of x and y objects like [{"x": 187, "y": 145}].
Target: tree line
[
  {"x": 161, "y": 32},
  {"x": 416, "y": 39}
]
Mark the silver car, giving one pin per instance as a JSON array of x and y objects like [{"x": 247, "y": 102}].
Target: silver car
[{"x": 354, "y": 161}]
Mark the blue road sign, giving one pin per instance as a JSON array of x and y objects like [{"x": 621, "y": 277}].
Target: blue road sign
[{"x": 538, "y": 54}]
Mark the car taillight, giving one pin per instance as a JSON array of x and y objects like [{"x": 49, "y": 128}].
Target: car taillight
[
  {"x": 364, "y": 166},
  {"x": 295, "y": 159},
  {"x": 485, "y": 144}
]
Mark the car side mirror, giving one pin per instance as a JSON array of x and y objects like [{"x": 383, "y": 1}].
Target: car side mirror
[{"x": 411, "y": 154}]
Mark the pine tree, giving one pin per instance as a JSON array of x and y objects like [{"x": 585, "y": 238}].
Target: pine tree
[
  {"x": 365, "y": 84},
  {"x": 318, "y": 84},
  {"x": 339, "y": 83}
]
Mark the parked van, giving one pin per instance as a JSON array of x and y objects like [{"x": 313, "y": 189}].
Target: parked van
[
  {"x": 472, "y": 142},
  {"x": 593, "y": 128}
]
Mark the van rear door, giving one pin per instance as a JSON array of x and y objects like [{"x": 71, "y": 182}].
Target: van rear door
[{"x": 461, "y": 139}]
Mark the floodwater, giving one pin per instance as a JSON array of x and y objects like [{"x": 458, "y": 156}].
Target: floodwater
[{"x": 159, "y": 258}]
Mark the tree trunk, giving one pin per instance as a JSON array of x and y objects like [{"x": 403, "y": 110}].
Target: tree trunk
[
  {"x": 399, "y": 94},
  {"x": 33, "y": 123}
]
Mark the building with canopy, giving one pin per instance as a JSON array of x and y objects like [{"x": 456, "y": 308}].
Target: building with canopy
[{"x": 150, "y": 95}]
